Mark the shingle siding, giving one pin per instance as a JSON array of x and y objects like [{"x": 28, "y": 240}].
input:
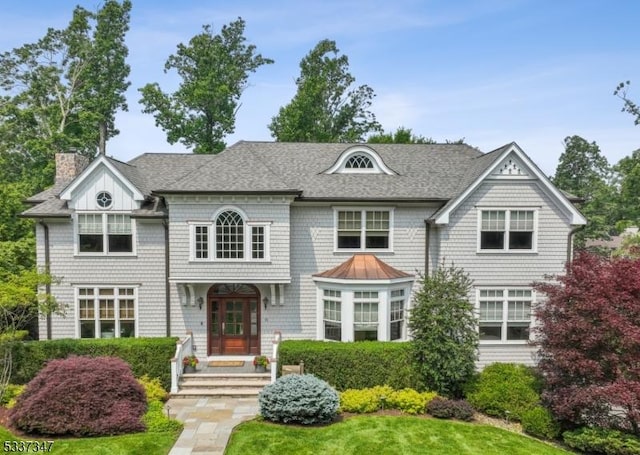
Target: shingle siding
[{"x": 145, "y": 270}]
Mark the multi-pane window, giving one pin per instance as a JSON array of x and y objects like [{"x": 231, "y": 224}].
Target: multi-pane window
[
  {"x": 257, "y": 242},
  {"x": 397, "y": 315},
  {"x": 359, "y": 161},
  {"x": 365, "y": 315},
  {"x": 505, "y": 314},
  {"x": 107, "y": 312},
  {"x": 363, "y": 229},
  {"x": 104, "y": 233},
  {"x": 229, "y": 235},
  {"x": 332, "y": 314},
  {"x": 507, "y": 230},
  {"x": 201, "y": 242}
]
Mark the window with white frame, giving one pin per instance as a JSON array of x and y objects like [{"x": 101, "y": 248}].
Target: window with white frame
[
  {"x": 229, "y": 237},
  {"x": 105, "y": 233},
  {"x": 396, "y": 326},
  {"x": 107, "y": 312},
  {"x": 504, "y": 314},
  {"x": 363, "y": 229},
  {"x": 359, "y": 161},
  {"x": 365, "y": 315},
  {"x": 332, "y": 315},
  {"x": 507, "y": 230}
]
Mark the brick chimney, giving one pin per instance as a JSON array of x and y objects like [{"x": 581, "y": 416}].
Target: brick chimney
[{"x": 69, "y": 165}]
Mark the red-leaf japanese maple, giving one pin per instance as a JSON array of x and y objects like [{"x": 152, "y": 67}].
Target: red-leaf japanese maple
[{"x": 589, "y": 342}]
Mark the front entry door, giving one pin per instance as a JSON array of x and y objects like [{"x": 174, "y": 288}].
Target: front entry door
[{"x": 233, "y": 320}]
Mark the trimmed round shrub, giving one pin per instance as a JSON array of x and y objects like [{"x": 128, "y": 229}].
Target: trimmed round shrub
[
  {"x": 410, "y": 401},
  {"x": 81, "y": 396},
  {"x": 365, "y": 400},
  {"x": 443, "y": 408},
  {"x": 153, "y": 389},
  {"x": 505, "y": 390},
  {"x": 601, "y": 440},
  {"x": 302, "y": 399},
  {"x": 540, "y": 423}
]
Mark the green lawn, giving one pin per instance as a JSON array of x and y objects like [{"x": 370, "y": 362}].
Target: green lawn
[
  {"x": 383, "y": 435},
  {"x": 130, "y": 444}
]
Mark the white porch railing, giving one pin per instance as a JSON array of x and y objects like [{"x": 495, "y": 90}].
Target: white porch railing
[
  {"x": 184, "y": 348},
  {"x": 277, "y": 337}
]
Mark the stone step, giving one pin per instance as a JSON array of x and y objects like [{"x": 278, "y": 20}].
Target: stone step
[
  {"x": 219, "y": 392},
  {"x": 194, "y": 383},
  {"x": 248, "y": 376}
]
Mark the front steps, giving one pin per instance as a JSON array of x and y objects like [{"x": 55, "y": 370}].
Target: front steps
[{"x": 217, "y": 385}]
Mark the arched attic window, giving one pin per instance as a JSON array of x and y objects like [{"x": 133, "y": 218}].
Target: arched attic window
[{"x": 359, "y": 160}]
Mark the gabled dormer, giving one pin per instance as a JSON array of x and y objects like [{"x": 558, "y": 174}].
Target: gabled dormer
[
  {"x": 102, "y": 199},
  {"x": 103, "y": 186},
  {"x": 359, "y": 159}
]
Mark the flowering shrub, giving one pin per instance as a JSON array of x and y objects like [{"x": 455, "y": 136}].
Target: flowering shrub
[
  {"x": 299, "y": 398},
  {"x": 81, "y": 396}
]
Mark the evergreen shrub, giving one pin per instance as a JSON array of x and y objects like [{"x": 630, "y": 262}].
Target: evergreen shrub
[
  {"x": 601, "y": 440},
  {"x": 150, "y": 356},
  {"x": 539, "y": 422},
  {"x": 505, "y": 390},
  {"x": 302, "y": 399},
  {"x": 443, "y": 408},
  {"x": 357, "y": 365},
  {"x": 81, "y": 396}
]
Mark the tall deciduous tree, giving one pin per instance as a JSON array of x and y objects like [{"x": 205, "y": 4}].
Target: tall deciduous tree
[
  {"x": 589, "y": 343},
  {"x": 58, "y": 91},
  {"x": 628, "y": 105},
  {"x": 326, "y": 108},
  {"x": 444, "y": 330},
  {"x": 214, "y": 71},
  {"x": 401, "y": 136},
  {"x": 584, "y": 172},
  {"x": 628, "y": 201}
]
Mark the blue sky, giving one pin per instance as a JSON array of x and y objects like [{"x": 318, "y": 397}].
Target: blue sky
[{"x": 490, "y": 71}]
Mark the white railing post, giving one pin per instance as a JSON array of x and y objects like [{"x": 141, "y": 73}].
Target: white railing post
[
  {"x": 277, "y": 337},
  {"x": 184, "y": 348}
]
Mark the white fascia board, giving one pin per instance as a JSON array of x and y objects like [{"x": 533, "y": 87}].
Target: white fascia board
[{"x": 577, "y": 218}]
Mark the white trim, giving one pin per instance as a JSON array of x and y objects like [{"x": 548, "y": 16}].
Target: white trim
[
  {"x": 234, "y": 280},
  {"x": 116, "y": 308},
  {"x": 378, "y": 164},
  {"x": 66, "y": 194},
  {"x": 105, "y": 235},
  {"x": 505, "y": 311},
  {"x": 347, "y": 307},
  {"x": 576, "y": 218},
  {"x": 363, "y": 228},
  {"x": 507, "y": 225}
]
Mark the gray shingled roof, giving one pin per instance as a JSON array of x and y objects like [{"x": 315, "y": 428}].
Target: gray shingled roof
[{"x": 424, "y": 172}]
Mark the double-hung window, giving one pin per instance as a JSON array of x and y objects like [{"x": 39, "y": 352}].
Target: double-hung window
[
  {"x": 104, "y": 233},
  {"x": 507, "y": 230},
  {"x": 106, "y": 312},
  {"x": 396, "y": 331},
  {"x": 229, "y": 237},
  {"x": 504, "y": 314},
  {"x": 363, "y": 229},
  {"x": 332, "y": 310},
  {"x": 365, "y": 315}
]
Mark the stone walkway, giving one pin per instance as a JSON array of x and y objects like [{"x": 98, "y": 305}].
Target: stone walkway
[{"x": 208, "y": 422}]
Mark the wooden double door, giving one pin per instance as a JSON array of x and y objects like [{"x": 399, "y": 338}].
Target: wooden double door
[{"x": 233, "y": 319}]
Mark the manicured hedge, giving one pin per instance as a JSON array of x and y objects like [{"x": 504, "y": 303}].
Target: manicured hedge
[
  {"x": 357, "y": 365},
  {"x": 150, "y": 356}
]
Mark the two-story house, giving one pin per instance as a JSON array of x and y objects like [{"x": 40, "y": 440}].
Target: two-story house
[{"x": 317, "y": 241}]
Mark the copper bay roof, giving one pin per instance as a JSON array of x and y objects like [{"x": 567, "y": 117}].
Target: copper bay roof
[{"x": 363, "y": 267}]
